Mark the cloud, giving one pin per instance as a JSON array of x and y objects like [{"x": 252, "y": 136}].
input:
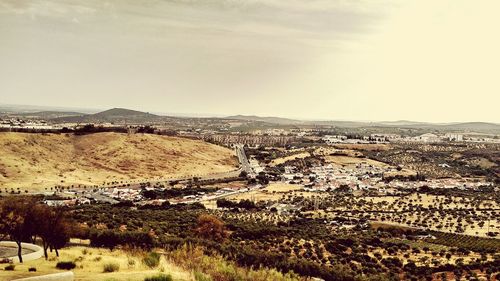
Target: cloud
[{"x": 297, "y": 58}]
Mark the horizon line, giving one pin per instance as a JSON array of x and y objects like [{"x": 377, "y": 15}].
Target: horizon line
[{"x": 93, "y": 110}]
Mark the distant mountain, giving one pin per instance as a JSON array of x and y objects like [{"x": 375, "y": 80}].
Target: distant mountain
[
  {"x": 401, "y": 123},
  {"x": 272, "y": 120},
  {"x": 114, "y": 115},
  {"x": 122, "y": 112},
  {"x": 473, "y": 127},
  {"x": 478, "y": 127}
]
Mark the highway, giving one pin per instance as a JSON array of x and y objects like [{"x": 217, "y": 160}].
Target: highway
[{"x": 244, "y": 163}]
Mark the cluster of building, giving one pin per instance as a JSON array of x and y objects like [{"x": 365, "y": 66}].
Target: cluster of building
[
  {"x": 17, "y": 123},
  {"x": 367, "y": 177},
  {"x": 330, "y": 177},
  {"x": 424, "y": 138},
  {"x": 114, "y": 195}
]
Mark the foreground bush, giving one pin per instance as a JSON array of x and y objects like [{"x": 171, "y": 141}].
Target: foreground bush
[
  {"x": 215, "y": 267},
  {"x": 10, "y": 267},
  {"x": 66, "y": 265},
  {"x": 111, "y": 267},
  {"x": 152, "y": 260},
  {"x": 159, "y": 277}
]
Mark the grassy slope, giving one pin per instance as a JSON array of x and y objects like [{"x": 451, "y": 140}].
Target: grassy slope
[
  {"x": 90, "y": 266},
  {"x": 37, "y": 161},
  {"x": 184, "y": 264}
]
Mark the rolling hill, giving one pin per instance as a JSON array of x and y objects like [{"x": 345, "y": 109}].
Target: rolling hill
[
  {"x": 36, "y": 161},
  {"x": 48, "y": 114},
  {"x": 477, "y": 127},
  {"x": 114, "y": 115},
  {"x": 273, "y": 120}
]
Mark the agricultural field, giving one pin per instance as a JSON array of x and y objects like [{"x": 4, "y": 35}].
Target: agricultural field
[
  {"x": 314, "y": 246},
  {"x": 272, "y": 192},
  {"x": 444, "y": 160},
  {"x": 420, "y": 211},
  {"x": 294, "y": 156}
]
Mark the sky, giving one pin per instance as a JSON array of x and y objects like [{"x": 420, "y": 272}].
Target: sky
[{"x": 421, "y": 60}]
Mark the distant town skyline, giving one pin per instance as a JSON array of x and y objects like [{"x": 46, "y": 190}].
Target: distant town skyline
[{"x": 430, "y": 61}]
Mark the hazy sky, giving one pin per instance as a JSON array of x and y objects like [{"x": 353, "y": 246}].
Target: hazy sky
[{"x": 435, "y": 60}]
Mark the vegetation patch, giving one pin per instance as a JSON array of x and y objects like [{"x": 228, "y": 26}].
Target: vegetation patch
[
  {"x": 159, "y": 277},
  {"x": 66, "y": 265},
  {"x": 111, "y": 267},
  {"x": 152, "y": 259}
]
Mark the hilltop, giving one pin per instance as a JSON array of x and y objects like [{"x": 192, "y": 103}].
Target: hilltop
[
  {"x": 35, "y": 161},
  {"x": 114, "y": 115}
]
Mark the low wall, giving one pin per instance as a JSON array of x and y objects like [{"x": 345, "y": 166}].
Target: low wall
[
  {"x": 36, "y": 254},
  {"x": 63, "y": 276}
]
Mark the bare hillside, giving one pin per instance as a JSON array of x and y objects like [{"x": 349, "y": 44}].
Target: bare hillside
[{"x": 38, "y": 161}]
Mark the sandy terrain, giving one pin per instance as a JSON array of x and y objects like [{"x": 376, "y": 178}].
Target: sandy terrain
[{"x": 37, "y": 161}]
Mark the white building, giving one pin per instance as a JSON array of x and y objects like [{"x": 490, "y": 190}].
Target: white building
[
  {"x": 429, "y": 137},
  {"x": 455, "y": 137}
]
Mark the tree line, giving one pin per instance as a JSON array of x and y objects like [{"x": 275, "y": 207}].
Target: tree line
[{"x": 26, "y": 220}]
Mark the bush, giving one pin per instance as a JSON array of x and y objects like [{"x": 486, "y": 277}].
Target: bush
[
  {"x": 67, "y": 265},
  {"x": 159, "y": 277},
  {"x": 111, "y": 267},
  {"x": 131, "y": 262},
  {"x": 10, "y": 267},
  {"x": 152, "y": 260},
  {"x": 199, "y": 276},
  {"x": 32, "y": 269}
]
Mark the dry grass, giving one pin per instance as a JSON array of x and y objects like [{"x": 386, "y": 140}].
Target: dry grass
[
  {"x": 90, "y": 265},
  {"x": 282, "y": 160},
  {"x": 35, "y": 161},
  {"x": 348, "y": 161},
  {"x": 273, "y": 191}
]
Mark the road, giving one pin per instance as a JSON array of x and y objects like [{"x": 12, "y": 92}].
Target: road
[{"x": 244, "y": 163}]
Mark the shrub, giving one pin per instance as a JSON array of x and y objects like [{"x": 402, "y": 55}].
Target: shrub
[
  {"x": 199, "y": 276},
  {"x": 111, "y": 267},
  {"x": 159, "y": 277},
  {"x": 32, "y": 269},
  {"x": 152, "y": 260},
  {"x": 67, "y": 265},
  {"x": 10, "y": 267}
]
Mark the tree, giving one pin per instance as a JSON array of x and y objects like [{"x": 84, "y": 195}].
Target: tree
[
  {"x": 211, "y": 227},
  {"x": 52, "y": 226},
  {"x": 15, "y": 222}
]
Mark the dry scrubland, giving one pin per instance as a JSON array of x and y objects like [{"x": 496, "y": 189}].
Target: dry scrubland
[
  {"x": 90, "y": 266},
  {"x": 184, "y": 264},
  {"x": 35, "y": 161}
]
